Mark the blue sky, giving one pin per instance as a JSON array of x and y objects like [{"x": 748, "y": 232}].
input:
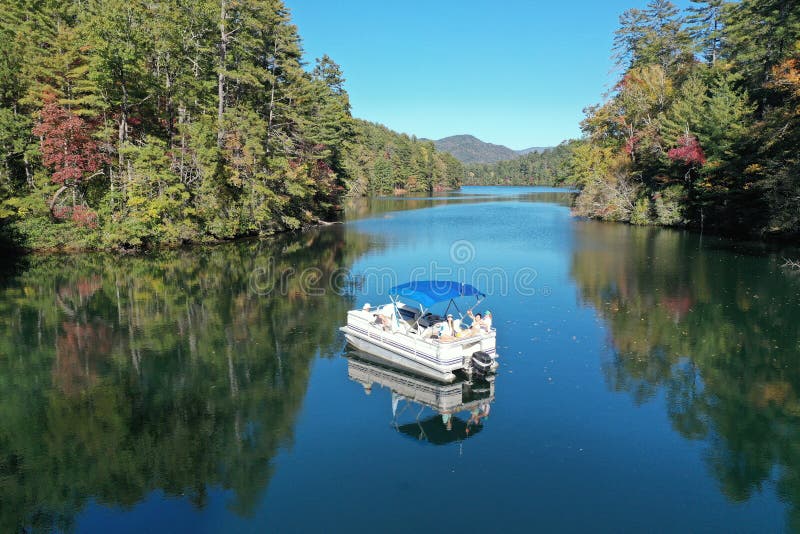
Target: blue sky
[{"x": 516, "y": 72}]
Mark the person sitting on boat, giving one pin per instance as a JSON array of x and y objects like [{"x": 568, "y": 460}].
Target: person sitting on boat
[
  {"x": 480, "y": 323},
  {"x": 477, "y": 322},
  {"x": 457, "y": 329},
  {"x": 447, "y": 330},
  {"x": 384, "y": 317}
]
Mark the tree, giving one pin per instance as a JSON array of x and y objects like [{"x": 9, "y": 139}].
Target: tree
[
  {"x": 779, "y": 167},
  {"x": 630, "y": 38},
  {"x": 215, "y": 127},
  {"x": 651, "y": 36},
  {"x": 328, "y": 72},
  {"x": 760, "y": 34},
  {"x": 67, "y": 148},
  {"x": 64, "y": 70},
  {"x": 120, "y": 43},
  {"x": 726, "y": 121},
  {"x": 331, "y": 124},
  {"x": 705, "y": 26},
  {"x": 686, "y": 115}
]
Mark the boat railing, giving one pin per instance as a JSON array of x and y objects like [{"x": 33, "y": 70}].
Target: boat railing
[
  {"x": 465, "y": 338},
  {"x": 425, "y": 333}
]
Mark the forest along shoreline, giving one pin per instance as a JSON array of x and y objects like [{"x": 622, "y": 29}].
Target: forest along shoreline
[
  {"x": 119, "y": 131},
  {"x": 700, "y": 131},
  {"x": 703, "y": 126}
]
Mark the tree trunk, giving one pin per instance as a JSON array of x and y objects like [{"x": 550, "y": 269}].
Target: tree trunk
[
  {"x": 182, "y": 164},
  {"x": 28, "y": 174},
  {"x": 122, "y": 133},
  {"x": 55, "y": 198},
  {"x": 272, "y": 94},
  {"x": 223, "y": 52},
  {"x": 715, "y": 41},
  {"x": 170, "y": 109}
]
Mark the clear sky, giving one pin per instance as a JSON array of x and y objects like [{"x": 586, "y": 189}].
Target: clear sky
[{"x": 513, "y": 72}]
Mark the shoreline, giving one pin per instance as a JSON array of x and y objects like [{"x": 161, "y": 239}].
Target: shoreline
[
  {"x": 12, "y": 253},
  {"x": 773, "y": 243},
  {"x": 753, "y": 245}
]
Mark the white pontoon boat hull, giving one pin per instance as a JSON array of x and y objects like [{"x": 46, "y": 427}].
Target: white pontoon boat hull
[{"x": 416, "y": 349}]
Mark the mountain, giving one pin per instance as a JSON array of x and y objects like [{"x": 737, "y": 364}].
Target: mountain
[
  {"x": 537, "y": 149},
  {"x": 470, "y": 149}
]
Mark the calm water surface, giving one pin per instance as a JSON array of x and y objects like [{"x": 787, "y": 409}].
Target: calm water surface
[{"x": 649, "y": 380}]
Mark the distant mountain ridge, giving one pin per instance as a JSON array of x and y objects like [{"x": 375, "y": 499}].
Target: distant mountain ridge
[
  {"x": 538, "y": 149},
  {"x": 469, "y": 149}
]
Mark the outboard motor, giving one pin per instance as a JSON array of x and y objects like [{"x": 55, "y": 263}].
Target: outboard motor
[{"x": 481, "y": 362}]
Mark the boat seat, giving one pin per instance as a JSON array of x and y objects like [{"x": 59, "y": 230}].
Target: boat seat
[
  {"x": 425, "y": 332},
  {"x": 429, "y": 319}
]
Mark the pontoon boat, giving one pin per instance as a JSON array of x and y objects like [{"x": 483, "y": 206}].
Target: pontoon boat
[{"x": 408, "y": 335}]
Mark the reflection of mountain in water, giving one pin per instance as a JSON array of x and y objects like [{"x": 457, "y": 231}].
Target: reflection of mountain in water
[
  {"x": 121, "y": 376},
  {"x": 413, "y": 397},
  {"x": 718, "y": 332}
]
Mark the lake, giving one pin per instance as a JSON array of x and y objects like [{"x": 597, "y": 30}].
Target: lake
[{"x": 649, "y": 380}]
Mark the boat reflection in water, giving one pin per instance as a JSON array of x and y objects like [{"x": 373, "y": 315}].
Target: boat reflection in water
[{"x": 459, "y": 408}]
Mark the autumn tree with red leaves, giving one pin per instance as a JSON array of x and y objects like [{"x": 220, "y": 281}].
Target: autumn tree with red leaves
[
  {"x": 688, "y": 151},
  {"x": 67, "y": 148}
]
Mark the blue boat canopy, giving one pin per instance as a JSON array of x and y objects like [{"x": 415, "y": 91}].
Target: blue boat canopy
[{"x": 429, "y": 292}]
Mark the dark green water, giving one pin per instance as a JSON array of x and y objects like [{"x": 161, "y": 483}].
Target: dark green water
[{"x": 649, "y": 381}]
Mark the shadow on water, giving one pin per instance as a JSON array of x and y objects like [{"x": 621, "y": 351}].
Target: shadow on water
[
  {"x": 124, "y": 375},
  {"x": 12, "y": 257},
  {"x": 717, "y": 332}
]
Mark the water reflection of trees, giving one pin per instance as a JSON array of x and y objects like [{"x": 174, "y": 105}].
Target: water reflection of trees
[
  {"x": 718, "y": 332},
  {"x": 119, "y": 376},
  {"x": 361, "y": 207}
]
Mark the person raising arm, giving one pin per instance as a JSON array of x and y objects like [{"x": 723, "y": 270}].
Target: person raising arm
[{"x": 475, "y": 328}]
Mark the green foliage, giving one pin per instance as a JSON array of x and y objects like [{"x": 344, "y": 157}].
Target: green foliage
[
  {"x": 686, "y": 115},
  {"x": 758, "y": 35},
  {"x": 641, "y": 213},
  {"x": 155, "y": 199},
  {"x": 653, "y": 36},
  {"x": 778, "y": 167},
  {"x": 209, "y": 126},
  {"x": 709, "y": 143},
  {"x": 384, "y": 162},
  {"x": 549, "y": 167},
  {"x": 588, "y": 162},
  {"x": 669, "y": 205},
  {"x": 704, "y": 25}
]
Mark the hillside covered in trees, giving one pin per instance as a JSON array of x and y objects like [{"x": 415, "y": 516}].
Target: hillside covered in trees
[
  {"x": 385, "y": 162},
  {"x": 548, "y": 167},
  {"x": 703, "y": 127},
  {"x": 135, "y": 123},
  {"x": 470, "y": 149}
]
